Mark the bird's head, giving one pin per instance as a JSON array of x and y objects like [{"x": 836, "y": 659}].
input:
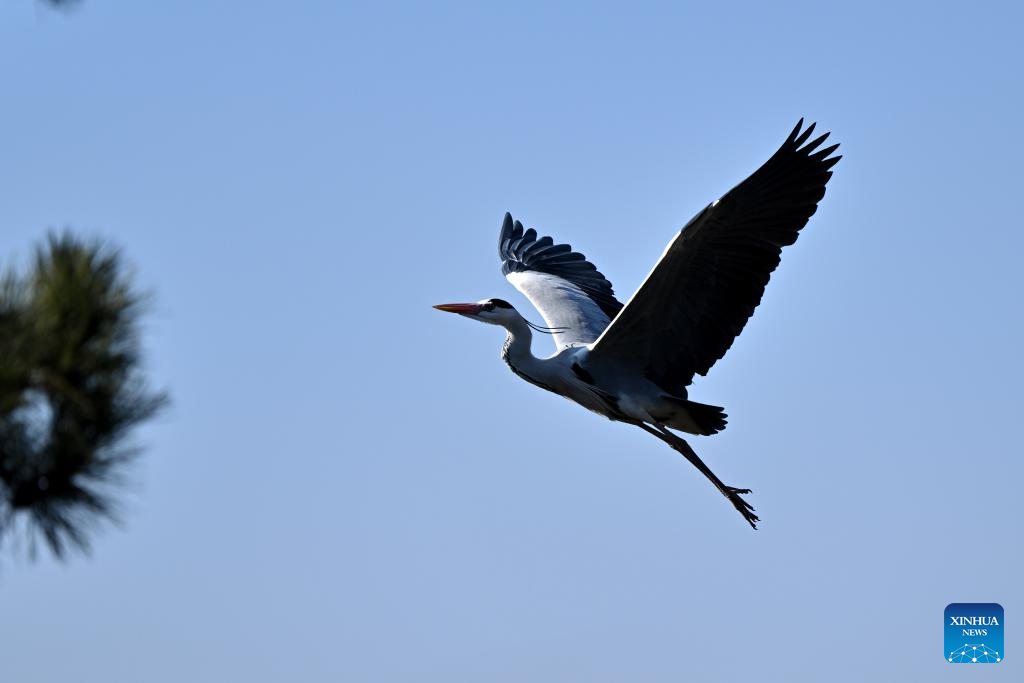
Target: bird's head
[{"x": 493, "y": 311}]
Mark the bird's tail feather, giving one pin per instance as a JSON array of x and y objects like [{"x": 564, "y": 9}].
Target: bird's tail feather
[
  {"x": 711, "y": 419},
  {"x": 697, "y": 418}
]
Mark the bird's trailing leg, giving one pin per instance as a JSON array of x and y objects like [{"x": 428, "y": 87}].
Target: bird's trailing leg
[{"x": 679, "y": 444}]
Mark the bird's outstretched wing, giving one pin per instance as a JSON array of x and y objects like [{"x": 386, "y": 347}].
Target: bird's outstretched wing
[
  {"x": 699, "y": 296},
  {"x": 577, "y": 302}
]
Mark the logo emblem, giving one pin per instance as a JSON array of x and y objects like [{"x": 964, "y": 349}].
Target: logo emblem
[{"x": 973, "y": 633}]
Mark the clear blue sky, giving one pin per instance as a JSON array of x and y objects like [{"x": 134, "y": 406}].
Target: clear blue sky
[{"x": 352, "y": 486}]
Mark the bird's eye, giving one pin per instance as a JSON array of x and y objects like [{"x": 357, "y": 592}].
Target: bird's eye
[{"x": 489, "y": 306}]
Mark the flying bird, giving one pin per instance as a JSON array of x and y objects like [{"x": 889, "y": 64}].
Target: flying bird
[{"x": 633, "y": 362}]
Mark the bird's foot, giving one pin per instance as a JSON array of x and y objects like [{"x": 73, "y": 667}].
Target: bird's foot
[{"x": 744, "y": 508}]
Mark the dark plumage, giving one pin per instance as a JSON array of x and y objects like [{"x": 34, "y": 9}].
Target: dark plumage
[
  {"x": 714, "y": 273},
  {"x": 522, "y": 251}
]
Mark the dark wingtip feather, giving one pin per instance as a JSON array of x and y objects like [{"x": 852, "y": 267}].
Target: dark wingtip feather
[
  {"x": 822, "y": 153},
  {"x": 796, "y": 130},
  {"x": 806, "y": 134},
  {"x": 504, "y": 233},
  {"x": 832, "y": 162},
  {"x": 814, "y": 144}
]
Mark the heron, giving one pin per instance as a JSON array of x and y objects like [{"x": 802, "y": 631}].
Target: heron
[{"x": 633, "y": 362}]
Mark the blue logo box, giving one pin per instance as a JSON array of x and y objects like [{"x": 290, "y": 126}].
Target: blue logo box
[{"x": 973, "y": 633}]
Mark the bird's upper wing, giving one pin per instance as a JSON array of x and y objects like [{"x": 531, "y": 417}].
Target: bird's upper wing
[
  {"x": 577, "y": 302},
  {"x": 712, "y": 275}
]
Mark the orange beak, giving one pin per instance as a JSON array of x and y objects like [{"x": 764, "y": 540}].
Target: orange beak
[{"x": 465, "y": 309}]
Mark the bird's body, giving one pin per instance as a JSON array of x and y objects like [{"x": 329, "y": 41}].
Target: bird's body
[
  {"x": 632, "y": 363},
  {"x": 634, "y": 397}
]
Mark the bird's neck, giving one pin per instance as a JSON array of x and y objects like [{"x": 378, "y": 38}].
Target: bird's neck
[{"x": 516, "y": 351}]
